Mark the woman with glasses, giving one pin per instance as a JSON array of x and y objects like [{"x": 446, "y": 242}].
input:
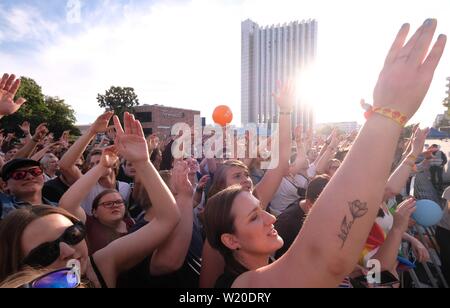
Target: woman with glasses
[
  {"x": 48, "y": 238},
  {"x": 108, "y": 220},
  {"x": 64, "y": 278}
]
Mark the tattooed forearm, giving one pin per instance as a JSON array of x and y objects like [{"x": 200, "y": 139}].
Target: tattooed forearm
[{"x": 357, "y": 209}]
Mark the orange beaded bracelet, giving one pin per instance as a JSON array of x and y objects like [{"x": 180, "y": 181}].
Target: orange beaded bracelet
[{"x": 389, "y": 113}]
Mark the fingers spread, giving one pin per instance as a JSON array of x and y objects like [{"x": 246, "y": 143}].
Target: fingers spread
[
  {"x": 399, "y": 42},
  {"x": 422, "y": 45},
  {"x": 431, "y": 62},
  {"x": 9, "y": 82},
  {"x": 118, "y": 126},
  {"x": 3, "y": 81},
  {"x": 15, "y": 87}
]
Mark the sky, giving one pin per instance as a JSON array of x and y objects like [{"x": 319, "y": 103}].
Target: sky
[{"x": 186, "y": 53}]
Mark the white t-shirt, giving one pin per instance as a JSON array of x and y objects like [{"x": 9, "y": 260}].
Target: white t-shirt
[
  {"x": 124, "y": 190},
  {"x": 385, "y": 222},
  {"x": 287, "y": 194},
  {"x": 49, "y": 178},
  {"x": 445, "y": 222}
]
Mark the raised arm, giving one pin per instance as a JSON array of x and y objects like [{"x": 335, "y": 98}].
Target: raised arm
[
  {"x": 199, "y": 191},
  {"x": 67, "y": 163},
  {"x": 300, "y": 159},
  {"x": 268, "y": 186},
  {"x": 400, "y": 176},
  {"x": 388, "y": 252},
  {"x": 72, "y": 199},
  {"x": 328, "y": 154},
  {"x": 25, "y": 128},
  {"x": 40, "y": 133},
  {"x": 38, "y": 155},
  {"x": 8, "y": 89},
  {"x": 323, "y": 256},
  {"x": 128, "y": 251},
  {"x": 170, "y": 256}
]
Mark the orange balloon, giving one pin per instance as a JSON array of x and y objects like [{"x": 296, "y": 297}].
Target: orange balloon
[{"x": 223, "y": 115}]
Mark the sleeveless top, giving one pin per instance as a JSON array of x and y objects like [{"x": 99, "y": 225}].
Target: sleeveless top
[{"x": 97, "y": 272}]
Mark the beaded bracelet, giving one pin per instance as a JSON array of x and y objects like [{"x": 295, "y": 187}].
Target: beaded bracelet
[{"x": 389, "y": 113}]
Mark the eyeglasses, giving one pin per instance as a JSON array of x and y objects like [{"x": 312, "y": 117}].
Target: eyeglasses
[
  {"x": 112, "y": 204},
  {"x": 47, "y": 253},
  {"x": 66, "y": 278},
  {"x": 22, "y": 174}
]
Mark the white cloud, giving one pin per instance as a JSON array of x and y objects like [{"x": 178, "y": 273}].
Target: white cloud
[
  {"x": 25, "y": 23},
  {"x": 188, "y": 54}
]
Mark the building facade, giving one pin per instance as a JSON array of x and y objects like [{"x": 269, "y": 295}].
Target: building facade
[
  {"x": 272, "y": 54},
  {"x": 160, "y": 119},
  {"x": 345, "y": 127}
]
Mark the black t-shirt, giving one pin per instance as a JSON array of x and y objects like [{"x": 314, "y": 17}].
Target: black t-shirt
[
  {"x": 123, "y": 177},
  {"x": 54, "y": 189},
  {"x": 186, "y": 277},
  {"x": 288, "y": 226},
  {"x": 226, "y": 280},
  {"x": 230, "y": 275}
]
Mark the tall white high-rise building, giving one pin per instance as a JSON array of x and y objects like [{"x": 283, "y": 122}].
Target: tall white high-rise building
[{"x": 272, "y": 54}]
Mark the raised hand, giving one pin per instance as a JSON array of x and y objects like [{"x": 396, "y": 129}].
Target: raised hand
[
  {"x": 181, "y": 184},
  {"x": 109, "y": 157},
  {"x": 65, "y": 138},
  {"x": 334, "y": 139},
  {"x": 8, "y": 89},
  {"x": 25, "y": 127},
  {"x": 101, "y": 124},
  {"x": 203, "y": 181},
  {"x": 403, "y": 214},
  {"x": 418, "y": 141},
  {"x": 40, "y": 133},
  {"x": 131, "y": 142},
  {"x": 285, "y": 96},
  {"x": 408, "y": 71}
]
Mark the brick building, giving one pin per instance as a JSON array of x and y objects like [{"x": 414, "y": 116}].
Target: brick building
[{"x": 160, "y": 119}]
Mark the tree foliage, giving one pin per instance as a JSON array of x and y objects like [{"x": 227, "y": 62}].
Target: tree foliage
[
  {"x": 118, "y": 99},
  {"x": 40, "y": 109}
]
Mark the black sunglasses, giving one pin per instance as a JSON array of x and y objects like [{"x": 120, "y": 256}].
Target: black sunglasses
[{"x": 47, "y": 253}]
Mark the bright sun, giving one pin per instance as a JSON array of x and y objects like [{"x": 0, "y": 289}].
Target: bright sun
[{"x": 328, "y": 94}]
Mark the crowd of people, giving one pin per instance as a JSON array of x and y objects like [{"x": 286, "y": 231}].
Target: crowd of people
[{"x": 118, "y": 204}]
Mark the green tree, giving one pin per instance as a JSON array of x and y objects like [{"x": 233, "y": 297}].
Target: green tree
[
  {"x": 40, "y": 109},
  {"x": 119, "y": 100},
  {"x": 61, "y": 117}
]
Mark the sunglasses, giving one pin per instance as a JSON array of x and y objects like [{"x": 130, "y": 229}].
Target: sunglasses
[
  {"x": 65, "y": 278},
  {"x": 46, "y": 254},
  {"x": 22, "y": 174},
  {"x": 112, "y": 204}
]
